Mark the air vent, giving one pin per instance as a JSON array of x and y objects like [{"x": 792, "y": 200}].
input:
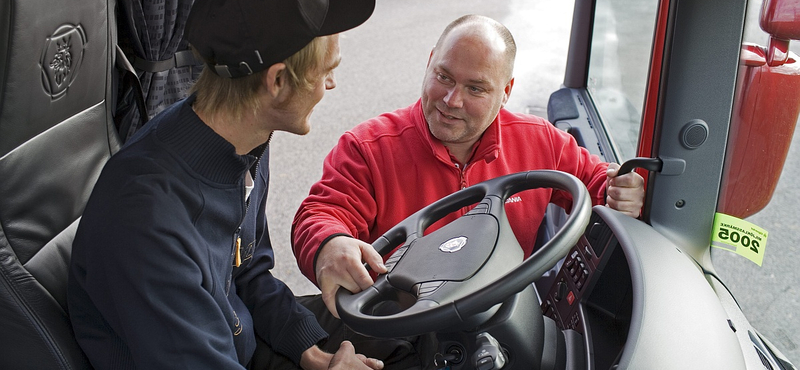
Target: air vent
[
  {"x": 598, "y": 234},
  {"x": 764, "y": 359},
  {"x": 762, "y": 351}
]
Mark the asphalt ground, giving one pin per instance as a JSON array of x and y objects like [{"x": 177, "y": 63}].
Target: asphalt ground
[{"x": 382, "y": 68}]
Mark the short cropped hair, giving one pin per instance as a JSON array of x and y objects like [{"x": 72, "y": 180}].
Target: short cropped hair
[
  {"x": 499, "y": 28},
  {"x": 240, "y": 95}
]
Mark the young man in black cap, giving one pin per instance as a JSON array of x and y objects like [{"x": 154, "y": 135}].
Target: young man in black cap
[{"x": 170, "y": 265}]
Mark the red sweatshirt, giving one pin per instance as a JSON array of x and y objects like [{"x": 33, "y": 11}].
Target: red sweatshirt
[{"x": 389, "y": 167}]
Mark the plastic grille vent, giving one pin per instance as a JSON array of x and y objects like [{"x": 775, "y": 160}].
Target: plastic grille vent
[
  {"x": 598, "y": 234},
  {"x": 763, "y": 358}
]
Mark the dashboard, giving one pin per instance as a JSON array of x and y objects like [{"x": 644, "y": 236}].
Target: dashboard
[
  {"x": 600, "y": 306},
  {"x": 637, "y": 300}
]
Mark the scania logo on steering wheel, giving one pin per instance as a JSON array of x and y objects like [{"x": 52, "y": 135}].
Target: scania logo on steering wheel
[{"x": 453, "y": 245}]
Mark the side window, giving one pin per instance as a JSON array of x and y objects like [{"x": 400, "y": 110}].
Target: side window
[{"x": 620, "y": 56}]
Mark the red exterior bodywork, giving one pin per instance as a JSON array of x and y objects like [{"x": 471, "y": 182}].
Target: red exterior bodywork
[{"x": 764, "y": 116}]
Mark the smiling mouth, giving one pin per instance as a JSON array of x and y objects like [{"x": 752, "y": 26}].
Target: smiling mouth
[{"x": 447, "y": 116}]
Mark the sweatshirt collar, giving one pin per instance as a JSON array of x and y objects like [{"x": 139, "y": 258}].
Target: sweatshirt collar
[
  {"x": 202, "y": 149},
  {"x": 488, "y": 145}
]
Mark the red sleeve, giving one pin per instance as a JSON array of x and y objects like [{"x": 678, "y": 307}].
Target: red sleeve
[
  {"x": 341, "y": 202},
  {"x": 587, "y": 167}
]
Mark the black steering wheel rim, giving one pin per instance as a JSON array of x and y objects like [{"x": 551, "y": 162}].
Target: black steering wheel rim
[{"x": 428, "y": 314}]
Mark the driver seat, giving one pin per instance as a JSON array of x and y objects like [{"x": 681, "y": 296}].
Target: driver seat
[{"x": 56, "y": 133}]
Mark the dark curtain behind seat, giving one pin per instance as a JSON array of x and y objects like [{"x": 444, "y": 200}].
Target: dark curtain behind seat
[{"x": 152, "y": 31}]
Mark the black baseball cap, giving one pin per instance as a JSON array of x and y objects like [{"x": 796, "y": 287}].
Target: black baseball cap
[{"x": 240, "y": 37}]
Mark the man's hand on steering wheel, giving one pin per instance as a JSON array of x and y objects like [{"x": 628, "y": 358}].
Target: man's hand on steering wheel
[
  {"x": 453, "y": 277},
  {"x": 340, "y": 263}
]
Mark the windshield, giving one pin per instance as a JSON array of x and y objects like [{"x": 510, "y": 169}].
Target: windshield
[{"x": 620, "y": 56}]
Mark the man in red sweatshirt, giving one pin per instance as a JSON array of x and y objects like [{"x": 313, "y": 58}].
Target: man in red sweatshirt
[{"x": 458, "y": 134}]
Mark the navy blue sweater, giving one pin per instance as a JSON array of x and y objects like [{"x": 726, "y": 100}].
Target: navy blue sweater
[{"x": 152, "y": 279}]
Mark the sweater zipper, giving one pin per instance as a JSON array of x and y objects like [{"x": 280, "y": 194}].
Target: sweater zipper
[
  {"x": 237, "y": 238},
  {"x": 462, "y": 175},
  {"x": 236, "y": 251},
  {"x": 462, "y": 178}
]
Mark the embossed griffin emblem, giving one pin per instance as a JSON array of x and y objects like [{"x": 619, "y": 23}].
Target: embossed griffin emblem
[{"x": 61, "y": 58}]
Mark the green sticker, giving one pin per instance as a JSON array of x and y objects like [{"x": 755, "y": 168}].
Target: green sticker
[{"x": 740, "y": 237}]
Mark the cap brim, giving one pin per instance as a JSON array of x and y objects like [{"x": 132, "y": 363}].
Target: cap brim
[{"x": 346, "y": 14}]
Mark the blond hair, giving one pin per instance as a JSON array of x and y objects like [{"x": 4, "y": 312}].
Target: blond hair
[{"x": 240, "y": 95}]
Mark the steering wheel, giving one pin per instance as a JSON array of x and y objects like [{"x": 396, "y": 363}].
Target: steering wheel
[{"x": 464, "y": 269}]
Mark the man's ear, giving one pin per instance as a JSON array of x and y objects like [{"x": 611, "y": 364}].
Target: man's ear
[
  {"x": 507, "y": 90},
  {"x": 276, "y": 80}
]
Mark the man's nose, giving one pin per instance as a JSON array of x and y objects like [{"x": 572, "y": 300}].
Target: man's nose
[{"x": 453, "y": 98}]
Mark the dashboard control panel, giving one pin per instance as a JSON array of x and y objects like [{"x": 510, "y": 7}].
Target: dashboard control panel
[{"x": 575, "y": 275}]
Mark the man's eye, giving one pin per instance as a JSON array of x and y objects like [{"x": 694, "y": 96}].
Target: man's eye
[
  {"x": 475, "y": 89},
  {"x": 442, "y": 77}
]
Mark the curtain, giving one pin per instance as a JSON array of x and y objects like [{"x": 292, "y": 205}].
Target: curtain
[{"x": 151, "y": 33}]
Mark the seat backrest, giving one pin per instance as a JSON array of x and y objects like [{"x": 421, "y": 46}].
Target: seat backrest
[{"x": 56, "y": 133}]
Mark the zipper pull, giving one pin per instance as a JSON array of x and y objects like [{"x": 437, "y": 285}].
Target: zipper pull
[{"x": 238, "y": 259}]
